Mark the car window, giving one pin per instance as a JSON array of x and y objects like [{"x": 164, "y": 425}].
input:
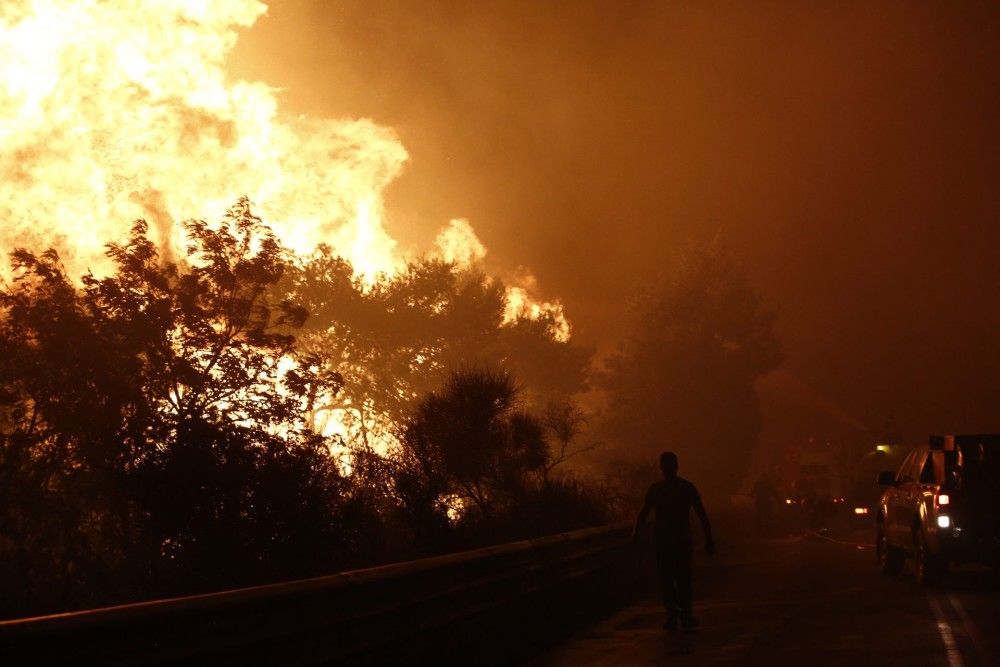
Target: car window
[
  {"x": 913, "y": 467},
  {"x": 904, "y": 470},
  {"x": 916, "y": 466},
  {"x": 903, "y": 466},
  {"x": 927, "y": 472}
]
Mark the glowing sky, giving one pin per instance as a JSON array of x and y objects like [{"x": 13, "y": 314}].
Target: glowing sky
[{"x": 848, "y": 154}]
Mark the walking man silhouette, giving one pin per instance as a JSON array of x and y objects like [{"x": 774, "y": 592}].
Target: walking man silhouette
[{"x": 673, "y": 498}]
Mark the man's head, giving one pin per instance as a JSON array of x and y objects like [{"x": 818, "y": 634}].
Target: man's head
[{"x": 668, "y": 464}]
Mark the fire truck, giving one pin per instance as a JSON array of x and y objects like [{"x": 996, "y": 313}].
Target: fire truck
[{"x": 817, "y": 487}]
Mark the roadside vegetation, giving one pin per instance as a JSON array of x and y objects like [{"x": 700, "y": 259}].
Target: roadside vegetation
[
  {"x": 159, "y": 426},
  {"x": 241, "y": 415}
]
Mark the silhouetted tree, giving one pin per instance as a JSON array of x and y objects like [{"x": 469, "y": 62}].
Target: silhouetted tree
[
  {"x": 564, "y": 422},
  {"x": 552, "y": 370},
  {"x": 395, "y": 339},
  {"x": 152, "y": 434},
  {"x": 388, "y": 340},
  {"x": 158, "y": 425},
  {"x": 472, "y": 441},
  {"x": 684, "y": 377}
]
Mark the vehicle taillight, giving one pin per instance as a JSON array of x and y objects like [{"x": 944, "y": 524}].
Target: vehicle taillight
[
  {"x": 788, "y": 501},
  {"x": 943, "y": 499},
  {"x": 861, "y": 510}
]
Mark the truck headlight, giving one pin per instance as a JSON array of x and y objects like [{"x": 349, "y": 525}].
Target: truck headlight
[{"x": 944, "y": 521}]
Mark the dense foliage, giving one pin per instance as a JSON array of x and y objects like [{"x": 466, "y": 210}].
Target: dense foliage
[
  {"x": 157, "y": 426},
  {"x": 397, "y": 339},
  {"x": 152, "y": 435},
  {"x": 239, "y": 415},
  {"x": 471, "y": 449}
]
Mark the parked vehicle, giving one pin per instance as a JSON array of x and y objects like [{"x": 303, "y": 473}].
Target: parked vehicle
[{"x": 941, "y": 506}]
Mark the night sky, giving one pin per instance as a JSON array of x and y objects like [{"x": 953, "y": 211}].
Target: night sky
[{"x": 847, "y": 152}]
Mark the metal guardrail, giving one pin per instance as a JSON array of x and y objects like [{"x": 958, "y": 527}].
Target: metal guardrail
[{"x": 358, "y": 616}]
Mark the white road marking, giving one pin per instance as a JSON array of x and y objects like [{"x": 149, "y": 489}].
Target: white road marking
[
  {"x": 970, "y": 628},
  {"x": 947, "y": 636}
]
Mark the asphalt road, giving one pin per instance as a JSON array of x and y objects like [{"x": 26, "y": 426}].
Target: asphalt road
[{"x": 803, "y": 600}]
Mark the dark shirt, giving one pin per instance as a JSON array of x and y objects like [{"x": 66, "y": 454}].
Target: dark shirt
[{"x": 672, "y": 500}]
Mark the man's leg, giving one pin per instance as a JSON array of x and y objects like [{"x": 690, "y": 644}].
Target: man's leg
[
  {"x": 668, "y": 583},
  {"x": 682, "y": 575}
]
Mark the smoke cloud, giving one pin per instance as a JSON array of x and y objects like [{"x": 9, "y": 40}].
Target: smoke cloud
[{"x": 848, "y": 155}]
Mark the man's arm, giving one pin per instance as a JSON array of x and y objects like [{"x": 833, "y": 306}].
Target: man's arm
[
  {"x": 641, "y": 519},
  {"x": 706, "y": 526}
]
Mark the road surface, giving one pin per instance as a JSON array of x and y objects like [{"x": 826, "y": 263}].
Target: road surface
[{"x": 803, "y": 601}]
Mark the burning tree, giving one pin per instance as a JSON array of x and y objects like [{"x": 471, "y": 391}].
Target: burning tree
[
  {"x": 158, "y": 420},
  {"x": 396, "y": 338},
  {"x": 158, "y": 432}
]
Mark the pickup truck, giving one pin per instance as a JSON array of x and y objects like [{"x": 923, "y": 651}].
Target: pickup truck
[{"x": 941, "y": 507}]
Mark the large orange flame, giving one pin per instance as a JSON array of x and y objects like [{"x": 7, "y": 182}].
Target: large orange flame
[{"x": 111, "y": 111}]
